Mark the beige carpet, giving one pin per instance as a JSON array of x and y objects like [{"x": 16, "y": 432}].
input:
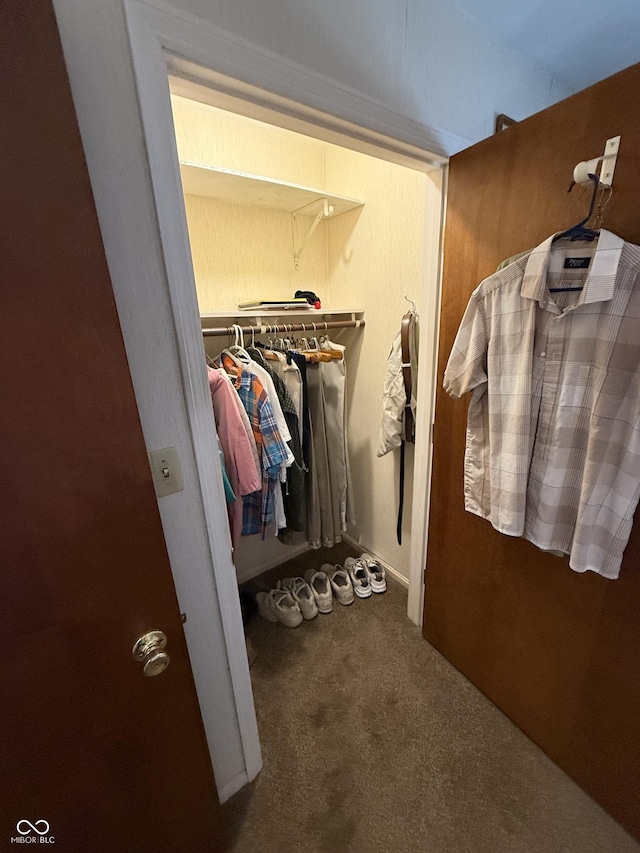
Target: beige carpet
[{"x": 373, "y": 742}]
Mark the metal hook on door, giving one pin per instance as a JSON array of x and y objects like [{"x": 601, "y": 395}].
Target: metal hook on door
[{"x": 412, "y": 303}]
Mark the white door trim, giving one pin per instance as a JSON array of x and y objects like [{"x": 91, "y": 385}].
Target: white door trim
[
  {"x": 158, "y": 35},
  {"x": 150, "y": 70}
]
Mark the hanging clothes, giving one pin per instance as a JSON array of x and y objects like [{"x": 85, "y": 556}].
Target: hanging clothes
[
  {"x": 245, "y": 420},
  {"x": 314, "y": 526},
  {"x": 259, "y": 508},
  {"x": 294, "y": 488},
  {"x": 550, "y": 348},
  {"x": 334, "y": 382},
  {"x": 327, "y": 533},
  {"x": 395, "y": 399},
  {"x": 238, "y": 454},
  {"x": 290, "y": 374},
  {"x": 399, "y": 401},
  {"x": 330, "y": 498}
]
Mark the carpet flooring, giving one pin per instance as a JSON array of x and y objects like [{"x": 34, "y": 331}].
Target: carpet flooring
[{"x": 373, "y": 742}]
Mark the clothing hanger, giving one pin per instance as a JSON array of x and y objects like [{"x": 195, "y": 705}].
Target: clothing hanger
[
  {"x": 313, "y": 353},
  {"x": 325, "y": 343},
  {"x": 266, "y": 350},
  {"x": 414, "y": 309},
  {"x": 231, "y": 356},
  {"x": 238, "y": 350},
  {"x": 579, "y": 231}
]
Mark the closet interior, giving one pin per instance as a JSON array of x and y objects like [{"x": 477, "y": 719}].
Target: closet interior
[{"x": 271, "y": 212}]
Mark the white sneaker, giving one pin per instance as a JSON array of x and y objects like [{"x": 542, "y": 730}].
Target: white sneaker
[
  {"x": 340, "y": 583},
  {"x": 376, "y": 572},
  {"x": 279, "y": 606},
  {"x": 359, "y": 577},
  {"x": 289, "y": 583},
  {"x": 321, "y": 588},
  {"x": 303, "y": 595}
]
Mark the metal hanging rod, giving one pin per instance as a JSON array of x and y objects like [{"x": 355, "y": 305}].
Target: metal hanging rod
[{"x": 275, "y": 328}]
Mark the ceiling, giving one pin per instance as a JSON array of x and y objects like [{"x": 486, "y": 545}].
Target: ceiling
[{"x": 578, "y": 41}]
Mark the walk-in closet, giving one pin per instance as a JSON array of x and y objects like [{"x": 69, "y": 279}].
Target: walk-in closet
[{"x": 271, "y": 212}]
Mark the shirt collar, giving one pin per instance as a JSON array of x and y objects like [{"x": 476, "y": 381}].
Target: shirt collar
[{"x": 601, "y": 278}]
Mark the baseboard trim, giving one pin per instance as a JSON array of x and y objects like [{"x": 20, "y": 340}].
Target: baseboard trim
[
  {"x": 251, "y": 572},
  {"x": 394, "y": 573}
]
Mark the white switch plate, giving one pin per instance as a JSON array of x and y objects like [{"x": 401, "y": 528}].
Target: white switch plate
[{"x": 167, "y": 474}]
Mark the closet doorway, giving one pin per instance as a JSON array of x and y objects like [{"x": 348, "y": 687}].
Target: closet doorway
[
  {"x": 271, "y": 212},
  {"x": 195, "y": 523},
  {"x": 242, "y": 179}
]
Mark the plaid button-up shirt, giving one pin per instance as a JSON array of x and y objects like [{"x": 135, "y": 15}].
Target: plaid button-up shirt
[
  {"x": 553, "y": 430},
  {"x": 258, "y": 507}
]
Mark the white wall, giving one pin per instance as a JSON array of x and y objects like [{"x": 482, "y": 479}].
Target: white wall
[
  {"x": 376, "y": 255},
  {"x": 425, "y": 59}
]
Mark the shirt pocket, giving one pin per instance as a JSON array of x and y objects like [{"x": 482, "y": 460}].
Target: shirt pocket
[
  {"x": 576, "y": 385},
  {"x": 618, "y": 397}
]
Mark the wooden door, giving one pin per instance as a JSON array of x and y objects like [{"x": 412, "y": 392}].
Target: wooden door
[
  {"x": 557, "y": 651},
  {"x": 108, "y": 759}
]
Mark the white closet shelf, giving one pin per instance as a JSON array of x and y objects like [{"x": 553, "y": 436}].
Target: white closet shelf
[
  {"x": 303, "y": 316},
  {"x": 245, "y": 188}
]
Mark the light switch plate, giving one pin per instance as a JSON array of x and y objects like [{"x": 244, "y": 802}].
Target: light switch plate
[{"x": 166, "y": 471}]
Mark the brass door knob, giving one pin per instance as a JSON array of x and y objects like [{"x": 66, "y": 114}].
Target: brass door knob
[{"x": 148, "y": 649}]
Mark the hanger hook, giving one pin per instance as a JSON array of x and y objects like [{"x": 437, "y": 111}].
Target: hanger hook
[
  {"x": 596, "y": 187},
  {"x": 412, "y": 303}
]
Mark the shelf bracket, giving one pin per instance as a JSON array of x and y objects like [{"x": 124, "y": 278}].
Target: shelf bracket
[{"x": 300, "y": 242}]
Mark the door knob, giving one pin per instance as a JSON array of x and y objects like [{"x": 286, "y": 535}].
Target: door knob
[{"x": 148, "y": 649}]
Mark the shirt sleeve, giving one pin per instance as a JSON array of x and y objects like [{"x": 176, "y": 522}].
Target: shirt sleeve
[
  {"x": 248, "y": 479},
  {"x": 467, "y": 365}
]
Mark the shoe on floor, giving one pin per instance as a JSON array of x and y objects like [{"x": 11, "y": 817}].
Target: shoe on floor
[
  {"x": 321, "y": 588},
  {"x": 289, "y": 583},
  {"x": 376, "y": 573},
  {"x": 340, "y": 583},
  {"x": 303, "y": 595},
  {"x": 359, "y": 577},
  {"x": 279, "y": 606}
]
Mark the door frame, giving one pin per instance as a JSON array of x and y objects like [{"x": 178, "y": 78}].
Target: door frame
[{"x": 202, "y": 59}]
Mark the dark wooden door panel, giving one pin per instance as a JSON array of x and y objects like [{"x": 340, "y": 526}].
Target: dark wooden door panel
[
  {"x": 112, "y": 760},
  {"x": 557, "y": 651}
]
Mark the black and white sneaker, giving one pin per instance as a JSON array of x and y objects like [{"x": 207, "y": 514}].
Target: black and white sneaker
[
  {"x": 359, "y": 577},
  {"x": 376, "y": 573}
]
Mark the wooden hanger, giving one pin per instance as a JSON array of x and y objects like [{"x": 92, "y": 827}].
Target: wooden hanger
[{"x": 315, "y": 356}]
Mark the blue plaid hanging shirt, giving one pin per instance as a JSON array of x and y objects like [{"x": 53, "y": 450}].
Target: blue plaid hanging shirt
[{"x": 258, "y": 507}]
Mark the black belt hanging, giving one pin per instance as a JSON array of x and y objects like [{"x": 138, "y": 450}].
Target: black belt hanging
[{"x": 409, "y": 425}]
